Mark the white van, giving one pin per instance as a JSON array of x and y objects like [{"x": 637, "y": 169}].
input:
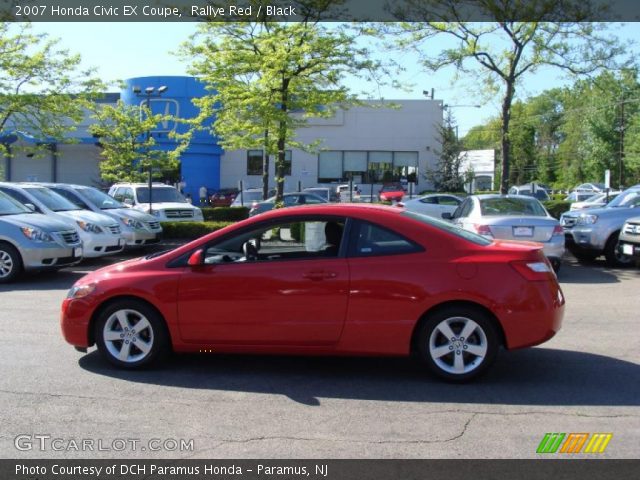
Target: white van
[{"x": 167, "y": 203}]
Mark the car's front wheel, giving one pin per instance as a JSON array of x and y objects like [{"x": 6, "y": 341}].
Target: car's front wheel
[
  {"x": 131, "y": 334},
  {"x": 458, "y": 343},
  {"x": 10, "y": 262},
  {"x": 614, "y": 257}
]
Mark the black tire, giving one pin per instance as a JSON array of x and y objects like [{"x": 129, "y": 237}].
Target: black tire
[
  {"x": 126, "y": 339},
  {"x": 613, "y": 256},
  {"x": 582, "y": 255},
  {"x": 10, "y": 262},
  {"x": 484, "y": 337},
  {"x": 556, "y": 263}
]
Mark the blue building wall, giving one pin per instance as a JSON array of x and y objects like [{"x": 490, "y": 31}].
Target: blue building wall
[{"x": 200, "y": 163}]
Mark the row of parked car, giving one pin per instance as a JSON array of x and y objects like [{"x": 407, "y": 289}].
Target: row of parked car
[{"x": 48, "y": 226}]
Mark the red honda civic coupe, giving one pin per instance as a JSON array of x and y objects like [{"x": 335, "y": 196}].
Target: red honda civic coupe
[{"x": 324, "y": 280}]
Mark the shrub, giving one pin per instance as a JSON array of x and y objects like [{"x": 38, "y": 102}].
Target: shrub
[
  {"x": 558, "y": 196},
  {"x": 225, "y": 214},
  {"x": 190, "y": 230},
  {"x": 556, "y": 207}
]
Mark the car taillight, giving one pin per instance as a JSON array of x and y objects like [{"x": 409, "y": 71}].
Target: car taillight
[
  {"x": 557, "y": 230},
  {"x": 400, "y": 204},
  {"x": 483, "y": 230},
  {"x": 532, "y": 270},
  {"x": 254, "y": 205}
]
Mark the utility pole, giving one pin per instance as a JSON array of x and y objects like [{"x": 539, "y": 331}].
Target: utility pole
[{"x": 621, "y": 154}]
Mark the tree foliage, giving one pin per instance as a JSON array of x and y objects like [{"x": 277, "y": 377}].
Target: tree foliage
[
  {"x": 267, "y": 79},
  {"x": 572, "y": 135},
  {"x": 447, "y": 176},
  {"x": 502, "y": 52},
  {"x": 43, "y": 90},
  {"x": 129, "y": 149}
]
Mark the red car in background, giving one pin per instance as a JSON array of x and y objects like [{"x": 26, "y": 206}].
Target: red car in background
[
  {"x": 223, "y": 197},
  {"x": 391, "y": 192},
  {"x": 330, "y": 279}
]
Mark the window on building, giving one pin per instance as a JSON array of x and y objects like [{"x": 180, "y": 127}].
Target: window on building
[
  {"x": 330, "y": 167},
  {"x": 355, "y": 166},
  {"x": 254, "y": 162},
  {"x": 367, "y": 167},
  {"x": 405, "y": 166},
  {"x": 380, "y": 167}
]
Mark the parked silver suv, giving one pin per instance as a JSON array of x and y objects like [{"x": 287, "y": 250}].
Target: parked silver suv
[
  {"x": 32, "y": 241},
  {"x": 595, "y": 232},
  {"x": 629, "y": 241}
]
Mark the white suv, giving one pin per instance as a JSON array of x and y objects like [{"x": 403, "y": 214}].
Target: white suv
[{"x": 167, "y": 203}]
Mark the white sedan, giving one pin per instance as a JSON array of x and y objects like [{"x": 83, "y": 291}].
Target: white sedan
[{"x": 433, "y": 205}]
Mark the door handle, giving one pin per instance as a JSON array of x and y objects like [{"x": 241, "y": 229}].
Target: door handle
[{"x": 319, "y": 275}]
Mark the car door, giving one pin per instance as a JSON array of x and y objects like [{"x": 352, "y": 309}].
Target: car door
[{"x": 294, "y": 293}]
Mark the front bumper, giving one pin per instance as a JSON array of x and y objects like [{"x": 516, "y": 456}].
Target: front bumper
[
  {"x": 101, "y": 244},
  {"x": 50, "y": 256},
  {"x": 138, "y": 237},
  {"x": 585, "y": 238}
]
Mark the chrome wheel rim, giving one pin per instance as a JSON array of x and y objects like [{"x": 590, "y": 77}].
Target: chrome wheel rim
[
  {"x": 458, "y": 345},
  {"x": 6, "y": 264},
  {"x": 128, "y": 335}
]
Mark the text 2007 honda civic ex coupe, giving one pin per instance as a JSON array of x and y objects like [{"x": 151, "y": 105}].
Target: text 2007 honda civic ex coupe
[{"x": 324, "y": 280}]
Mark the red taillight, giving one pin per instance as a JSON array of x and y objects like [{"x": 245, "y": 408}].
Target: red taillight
[
  {"x": 400, "y": 204},
  {"x": 483, "y": 230},
  {"x": 532, "y": 270},
  {"x": 557, "y": 230}
]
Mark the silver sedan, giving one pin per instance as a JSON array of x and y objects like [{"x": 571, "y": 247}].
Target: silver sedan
[
  {"x": 433, "y": 204},
  {"x": 512, "y": 217}
]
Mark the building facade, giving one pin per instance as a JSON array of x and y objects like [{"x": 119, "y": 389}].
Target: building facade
[{"x": 373, "y": 144}]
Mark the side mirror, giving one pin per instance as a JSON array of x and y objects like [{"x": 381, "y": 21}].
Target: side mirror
[
  {"x": 196, "y": 259},
  {"x": 30, "y": 206},
  {"x": 447, "y": 216}
]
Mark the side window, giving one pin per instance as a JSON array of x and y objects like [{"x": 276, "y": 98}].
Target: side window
[
  {"x": 292, "y": 200},
  {"x": 451, "y": 201},
  {"x": 313, "y": 200},
  {"x": 373, "y": 240},
  {"x": 128, "y": 195},
  {"x": 118, "y": 194},
  {"x": 73, "y": 198},
  {"x": 429, "y": 200},
  {"x": 294, "y": 240}
]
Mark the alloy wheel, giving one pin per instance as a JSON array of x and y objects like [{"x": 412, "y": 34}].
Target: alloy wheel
[{"x": 458, "y": 345}]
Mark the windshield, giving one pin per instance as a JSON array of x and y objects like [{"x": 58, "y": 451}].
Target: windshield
[
  {"x": 9, "y": 206},
  {"x": 491, "y": 207},
  {"x": 628, "y": 199},
  {"x": 51, "y": 199},
  {"x": 448, "y": 227},
  {"x": 101, "y": 200},
  {"x": 160, "y": 194}
]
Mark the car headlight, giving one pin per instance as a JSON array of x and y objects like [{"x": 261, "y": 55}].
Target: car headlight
[
  {"x": 198, "y": 213},
  {"x": 587, "y": 219},
  {"x": 81, "y": 291},
  {"x": 131, "y": 223},
  {"x": 89, "y": 227},
  {"x": 36, "y": 235}
]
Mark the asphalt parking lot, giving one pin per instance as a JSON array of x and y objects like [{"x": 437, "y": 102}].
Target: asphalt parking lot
[{"x": 586, "y": 379}]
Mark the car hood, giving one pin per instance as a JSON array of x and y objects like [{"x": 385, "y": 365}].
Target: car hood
[
  {"x": 164, "y": 205},
  {"x": 605, "y": 212},
  {"x": 36, "y": 220},
  {"x": 129, "y": 213},
  {"x": 88, "y": 216}
]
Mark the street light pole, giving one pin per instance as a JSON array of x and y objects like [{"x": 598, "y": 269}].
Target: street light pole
[{"x": 148, "y": 93}]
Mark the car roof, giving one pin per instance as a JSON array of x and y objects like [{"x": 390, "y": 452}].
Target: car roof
[{"x": 485, "y": 196}]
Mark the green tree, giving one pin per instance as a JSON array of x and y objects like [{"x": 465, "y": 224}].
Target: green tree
[
  {"x": 268, "y": 79},
  {"x": 501, "y": 53},
  {"x": 447, "y": 176},
  {"x": 43, "y": 90},
  {"x": 129, "y": 151}
]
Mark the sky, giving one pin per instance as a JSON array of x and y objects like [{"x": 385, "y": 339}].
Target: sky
[{"x": 122, "y": 50}]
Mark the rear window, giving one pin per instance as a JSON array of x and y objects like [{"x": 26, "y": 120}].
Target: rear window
[
  {"x": 511, "y": 206},
  {"x": 448, "y": 227}
]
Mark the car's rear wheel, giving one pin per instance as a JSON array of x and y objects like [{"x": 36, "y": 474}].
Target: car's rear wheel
[
  {"x": 131, "y": 334},
  {"x": 458, "y": 343},
  {"x": 614, "y": 257},
  {"x": 10, "y": 262}
]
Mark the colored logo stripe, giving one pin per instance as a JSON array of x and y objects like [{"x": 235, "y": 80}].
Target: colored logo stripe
[
  {"x": 550, "y": 443},
  {"x": 598, "y": 442},
  {"x": 574, "y": 442}
]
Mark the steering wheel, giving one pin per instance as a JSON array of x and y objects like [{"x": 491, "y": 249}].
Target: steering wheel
[{"x": 250, "y": 251}]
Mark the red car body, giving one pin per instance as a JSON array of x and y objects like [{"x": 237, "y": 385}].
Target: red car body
[
  {"x": 344, "y": 305},
  {"x": 391, "y": 193}
]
